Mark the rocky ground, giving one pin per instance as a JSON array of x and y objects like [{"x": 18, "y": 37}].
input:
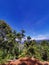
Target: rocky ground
[{"x": 26, "y": 61}]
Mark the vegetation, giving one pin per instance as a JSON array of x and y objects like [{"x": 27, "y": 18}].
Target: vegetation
[{"x": 11, "y": 46}]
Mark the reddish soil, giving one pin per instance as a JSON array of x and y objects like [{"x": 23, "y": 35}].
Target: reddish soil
[{"x": 27, "y": 61}]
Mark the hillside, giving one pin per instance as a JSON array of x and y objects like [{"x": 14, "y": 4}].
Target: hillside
[{"x": 11, "y": 49}]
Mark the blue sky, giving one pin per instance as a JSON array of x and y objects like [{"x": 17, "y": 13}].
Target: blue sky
[{"x": 30, "y": 15}]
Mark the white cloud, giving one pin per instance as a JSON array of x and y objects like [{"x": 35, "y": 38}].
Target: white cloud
[{"x": 41, "y": 37}]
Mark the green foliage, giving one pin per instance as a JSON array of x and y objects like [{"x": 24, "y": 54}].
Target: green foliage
[
  {"x": 12, "y": 49},
  {"x": 8, "y": 45}
]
